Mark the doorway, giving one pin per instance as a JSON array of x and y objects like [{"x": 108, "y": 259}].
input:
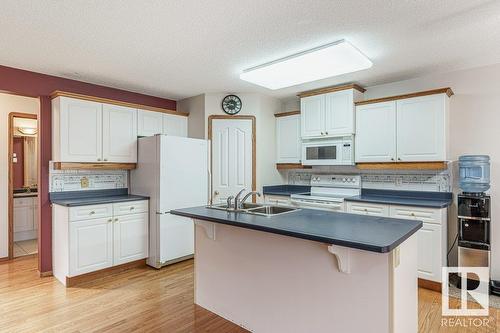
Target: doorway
[
  {"x": 23, "y": 184},
  {"x": 233, "y": 157}
]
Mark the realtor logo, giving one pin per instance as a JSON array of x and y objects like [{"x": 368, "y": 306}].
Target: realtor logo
[{"x": 479, "y": 295}]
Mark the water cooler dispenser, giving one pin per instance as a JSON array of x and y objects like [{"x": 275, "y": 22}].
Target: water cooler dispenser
[{"x": 474, "y": 212}]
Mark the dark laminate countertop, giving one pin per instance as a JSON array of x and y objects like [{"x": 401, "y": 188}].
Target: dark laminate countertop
[
  {"x": 93, "y": 197},
  {"x": 406, "y": 198},
  {"x": 370, "y": 233},
  {"x": 285, "y": 190}
]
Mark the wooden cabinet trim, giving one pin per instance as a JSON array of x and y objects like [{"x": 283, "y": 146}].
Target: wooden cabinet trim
[
  {"x": 446, "y": 91},
  {"x": 403, "y": 166},
  {"x": 59, "y": 93},
  {"x": 287, "y": 166},
  {"x": 286, "y": 114},
  {"x": 93, "y": 166},
  {"x": 331, "y": 89}
]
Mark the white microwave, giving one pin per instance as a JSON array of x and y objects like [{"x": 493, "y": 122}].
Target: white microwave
[{"x": 338, "y": 151}]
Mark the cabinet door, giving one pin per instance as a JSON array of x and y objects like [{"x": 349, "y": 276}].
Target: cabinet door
[
  {"x": 421, "y": 129},
  {"x": 90, "y": 245},
  {"x": 175, "y": 125},
  {"x": 149, "y": 123},
  {"x": 35, "y": 213},
  {"x": 288, "y": 143},
  {"x": 312, "y": 116},
  {"x": 119, "y": 134},
  {"x": 80, "y": 131},
  {"x": 23, "y": 218},
  {"x": 339, "y": 113},
  {"x": 130, "y": 238},
  {"x": 429, "y": 252},
  {"x": 375, "y": 139}
]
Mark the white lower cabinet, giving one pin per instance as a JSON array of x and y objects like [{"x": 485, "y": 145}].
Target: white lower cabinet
[
  {"x": 90, "y": 245},
  {"x": 130, "y": 238},
  {"x": 25, "y": 218},
  {"x": 432, "y": 237},
  {"x": 90, "y": 238}
]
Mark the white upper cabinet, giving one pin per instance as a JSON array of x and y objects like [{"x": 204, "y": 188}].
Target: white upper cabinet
[
  {"x": 421, "y": 128},
  {"x": 76, "y": 130},
  {"x": 407, "y": 130},
  {"x": 375, "y": 139},
  {"x": 87, "y": 131},
  {"x": 119, "y": 134},
  {"x": 313, "y": 116},
  {"x": 149, "y": 123},
  {"x": 328, "y": 115},
  {"x": 175, "y": 125},
  {"x": 339, "y": 113},
  {"x": 288, "y": 143}
]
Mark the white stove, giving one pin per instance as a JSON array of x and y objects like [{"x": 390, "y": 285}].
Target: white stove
[{"x": 328, "y": 192}]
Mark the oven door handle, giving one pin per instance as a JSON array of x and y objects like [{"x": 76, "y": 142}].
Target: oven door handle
[{"x": 304, "y": 203}]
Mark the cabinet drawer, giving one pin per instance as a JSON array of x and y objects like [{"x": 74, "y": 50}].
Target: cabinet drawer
[
  {"x": 130, "y": 207},
  {"x": 90, "y": 212},
  {"x": 367, "y": 208},
  {"x": 427, "y": 215},
  {"x": 23, "y": 202}
]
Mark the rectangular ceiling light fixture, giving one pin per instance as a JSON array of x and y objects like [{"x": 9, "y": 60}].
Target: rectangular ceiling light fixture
[{"x": 329, "y": 60}]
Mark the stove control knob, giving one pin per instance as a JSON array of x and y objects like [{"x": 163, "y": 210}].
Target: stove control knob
[{"x": 344, "y": 179}]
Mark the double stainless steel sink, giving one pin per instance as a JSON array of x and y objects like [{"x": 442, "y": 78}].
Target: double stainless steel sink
[{"x": 256, "y": 209}]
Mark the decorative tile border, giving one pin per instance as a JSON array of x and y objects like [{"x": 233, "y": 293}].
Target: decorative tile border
[{"x": 83, "y": 180}]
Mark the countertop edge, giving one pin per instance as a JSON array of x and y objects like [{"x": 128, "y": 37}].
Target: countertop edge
[
  {"x": 411, "y": 202},
  {"x": 104, "y": 201},
  {"x": 345, "y": 243}
]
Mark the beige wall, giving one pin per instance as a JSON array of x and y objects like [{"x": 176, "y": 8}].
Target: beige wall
[
  {"x": 8, "y": 104},
  {"x": 474, "y": 127},
  {"x": 195, "y": 106}
]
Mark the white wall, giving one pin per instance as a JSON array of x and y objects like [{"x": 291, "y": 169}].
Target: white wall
[
  {"x": 474, "y": 126},
  {"x": 8, "y": 104}
]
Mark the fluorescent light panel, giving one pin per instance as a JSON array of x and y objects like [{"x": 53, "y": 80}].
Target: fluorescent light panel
[{"x": 325, "y": 61}]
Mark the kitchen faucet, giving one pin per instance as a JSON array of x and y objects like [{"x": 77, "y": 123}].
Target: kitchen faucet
[{"x": 237, "y": 203}]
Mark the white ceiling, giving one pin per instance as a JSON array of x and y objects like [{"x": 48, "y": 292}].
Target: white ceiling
[{"x": 181, "y": 48}]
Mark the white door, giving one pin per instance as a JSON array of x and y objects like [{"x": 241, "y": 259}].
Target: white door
[
  {"x": 231, "y": 157},
  {"x": 375, "y": 139},
  {"x": 90, "y": 245},
  {"x": 288, "y": 143},
  {"x": 149, "y": 123},
  {"x": 81, "y": 130},
  {"x": 176, "y": 237},
  {"x": 175, "y": 125},
  {"x": 339, "y": 113},
  {"x": 421, "y": 128},
  {"x": 312, "y": 116},
  {"x": 130, "y": 238},
  {"x": 429, "y": 252},
  {"x": 119, "y": 134}
]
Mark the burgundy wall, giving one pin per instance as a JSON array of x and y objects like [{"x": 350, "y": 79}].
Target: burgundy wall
[
  {"x": 18, "y": 167},
  {"x": 33, "y": 84}
]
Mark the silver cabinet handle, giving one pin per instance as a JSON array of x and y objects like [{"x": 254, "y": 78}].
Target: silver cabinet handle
[
  {"x": 110, "y": 220},
  {"x": 322, "y": 133},
  {"x": 132, "y": 208},
  {"x": 326, "y": 133},
  {"x": 399, "y": 159},
  {"x": 392, "y": 158},
  {"x": 92, "y": 212},
  {"x": 116, "y": 220},
  {"x": 98, "y": 160},
  {"x": 105, "y": 159}
]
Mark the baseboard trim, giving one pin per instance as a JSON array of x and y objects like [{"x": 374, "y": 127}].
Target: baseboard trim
[
  {"x": 75, "y": 280},
  {"x": 45, "y": 274},
  {"x": 4, "y": 259},
  {"x": 431, "y": 285}
]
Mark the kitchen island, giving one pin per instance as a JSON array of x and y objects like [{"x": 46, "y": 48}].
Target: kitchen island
[{"x": 306, "y": 270}]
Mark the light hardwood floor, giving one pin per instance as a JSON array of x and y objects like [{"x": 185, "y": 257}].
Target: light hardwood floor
[{"x": 138, "y": 300}]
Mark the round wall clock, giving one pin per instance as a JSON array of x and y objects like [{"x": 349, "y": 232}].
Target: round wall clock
[{"x": 231, "y": 104}]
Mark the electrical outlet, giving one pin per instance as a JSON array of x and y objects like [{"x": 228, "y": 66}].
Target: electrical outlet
[{"x": 84, "y": 182}]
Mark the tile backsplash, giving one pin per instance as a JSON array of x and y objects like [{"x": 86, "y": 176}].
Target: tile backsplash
[
  {"x": 81, "y": 180},
  {"x": 410, "y": 180}
]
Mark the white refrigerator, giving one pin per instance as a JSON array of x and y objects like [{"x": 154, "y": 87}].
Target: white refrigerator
[{"x": 174, "y": 172}]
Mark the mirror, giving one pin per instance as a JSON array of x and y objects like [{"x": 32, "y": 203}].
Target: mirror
[{"x": 24, "y": 154}]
